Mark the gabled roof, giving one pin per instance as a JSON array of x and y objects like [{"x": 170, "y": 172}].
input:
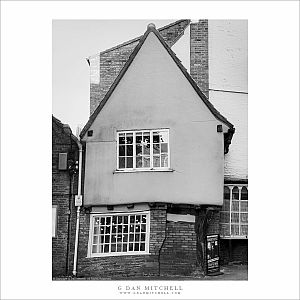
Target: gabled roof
[
  {"x": 151, "y": 28},
  {"x": 65, "y": 128}
]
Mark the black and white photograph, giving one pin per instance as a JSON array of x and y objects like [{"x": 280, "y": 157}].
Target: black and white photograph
[
  {"x": 160, "y": 166},
  {"x": 160, "y": 114}
]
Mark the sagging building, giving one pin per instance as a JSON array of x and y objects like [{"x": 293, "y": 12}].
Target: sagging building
[
  {"x": 158, "y": 171},
  {"x": 154, "y": 168}
]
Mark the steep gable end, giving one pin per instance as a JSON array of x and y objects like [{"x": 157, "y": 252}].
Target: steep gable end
[
  {"x": 106, "y": 65},
  {"x": 151, "y": 29}
]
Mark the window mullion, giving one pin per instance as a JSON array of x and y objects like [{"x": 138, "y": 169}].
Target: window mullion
[
  {"x": 240, "y": 191},
  {"x": 118, "y": 157},
  {"x": 230, "y": 205},
  {"x": 151, "y": 149},
  {"x": 168, "y": 149},
  {"x": 134, "y": 150}
]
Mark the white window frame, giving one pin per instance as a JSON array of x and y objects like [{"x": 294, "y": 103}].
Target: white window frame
[
  {"x": 231, "y": 236},
  {"x": 147, "y": 238},
  {"x": 151, "y": 168},
  {"x": 54, "y": 221}
]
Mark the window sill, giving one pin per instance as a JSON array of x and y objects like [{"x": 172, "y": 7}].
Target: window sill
[
  {"x": 143, "y": 170},
  {"x": 117, "y": 254}
]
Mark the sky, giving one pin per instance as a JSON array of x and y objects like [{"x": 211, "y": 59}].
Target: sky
[{"x": 72, "y": 42}]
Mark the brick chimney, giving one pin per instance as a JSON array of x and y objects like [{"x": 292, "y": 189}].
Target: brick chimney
[{"x": 199, "y": 54}]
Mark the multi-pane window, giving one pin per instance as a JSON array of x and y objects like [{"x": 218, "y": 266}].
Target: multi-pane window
[
  {"x": 118, "y": 234},
  {"x": 234, "y": 213},
  {"x": 147, "y": 149}
]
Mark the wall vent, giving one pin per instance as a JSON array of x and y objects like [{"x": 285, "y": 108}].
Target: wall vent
[{"x": 62, "y": 161}]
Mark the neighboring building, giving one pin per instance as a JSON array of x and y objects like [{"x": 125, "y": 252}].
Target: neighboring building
[
  {"x": 64, "y": 187},
  {"x": 154, "y": 162},
  {"x": 228, "y": 91}
]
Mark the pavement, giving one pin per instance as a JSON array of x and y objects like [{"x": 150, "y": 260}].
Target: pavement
[
  {"x": 229, "y": 272},
  {"x": 234, "y": 272}
]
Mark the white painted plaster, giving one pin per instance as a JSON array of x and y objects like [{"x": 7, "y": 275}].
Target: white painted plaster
[
  {"x": 181, "y": 218},
  {"x": 235, "y": 108},
  {"x": 228, "y": 54},
  {"x": 154, "y": 93}
]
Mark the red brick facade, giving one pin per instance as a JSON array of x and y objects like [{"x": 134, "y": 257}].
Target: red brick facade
[{"x": 64, "y": 187}]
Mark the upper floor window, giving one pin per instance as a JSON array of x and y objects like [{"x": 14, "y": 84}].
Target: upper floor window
[
  {"x": 143, "y": 149},
  {"x": 234, "y": 213}
]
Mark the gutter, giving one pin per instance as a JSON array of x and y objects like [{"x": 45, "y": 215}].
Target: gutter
[{"x": 78, "y": 203}]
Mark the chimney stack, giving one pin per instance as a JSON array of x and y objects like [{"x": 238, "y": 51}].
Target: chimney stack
[{"x": 199, "y": 55}]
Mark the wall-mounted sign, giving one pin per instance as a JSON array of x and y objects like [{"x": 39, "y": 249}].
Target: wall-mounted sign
[
  {"x": 78, "y": 200},
  {"x": 212, "y": 254}
]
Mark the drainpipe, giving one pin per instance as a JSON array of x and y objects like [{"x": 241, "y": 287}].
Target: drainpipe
[{"x": 78, "y": 210}]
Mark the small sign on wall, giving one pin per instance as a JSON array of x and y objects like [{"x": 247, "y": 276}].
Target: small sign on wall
[
  {"x": 213, "y": 254},
  {"x": 78, "y": 200}
]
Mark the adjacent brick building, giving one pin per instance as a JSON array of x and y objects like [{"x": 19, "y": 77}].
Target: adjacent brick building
[{"x": 64, "y": 187}]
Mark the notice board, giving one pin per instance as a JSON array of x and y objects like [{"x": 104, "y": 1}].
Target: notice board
[{"x": 212, "y": 254}]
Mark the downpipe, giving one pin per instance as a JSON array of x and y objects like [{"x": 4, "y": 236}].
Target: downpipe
[{"x": 78, "y": 211}]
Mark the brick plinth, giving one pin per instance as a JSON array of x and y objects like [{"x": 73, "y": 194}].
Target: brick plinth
[
  {"x": 125, "y": 265},
  {"x": 172, "y": 248}
]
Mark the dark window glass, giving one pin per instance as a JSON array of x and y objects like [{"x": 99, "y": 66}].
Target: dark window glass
[
  {"x": 244, "y": 193},
  {"x": 122, "y": 162},
  {"x": 121, "y": 150},
  {"x": 129, "y": 150},
  {"x": 121, "y": 138},
  {"x": 226, "y": 193},
  {"x": 129, "y": 162},
  {"x": 129, "y": 138},
  {"x": 235, "y": 193}
]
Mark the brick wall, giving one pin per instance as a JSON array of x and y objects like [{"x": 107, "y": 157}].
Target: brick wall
[
  {"x": 63, "y": 188},
  {"x": 126, "y": 265},
  {"x": 105, "y": 66},
  {"x": 178, "y": 254},
  {"x": 199, "y": 55},
  {"x": 172, "y": 249}
]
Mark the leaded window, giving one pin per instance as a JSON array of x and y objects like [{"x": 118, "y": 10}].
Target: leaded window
[
  {"x": 234, "y": 213},
  {"x": 118, "y": 234},
  {"x": 143, "y": 149}
]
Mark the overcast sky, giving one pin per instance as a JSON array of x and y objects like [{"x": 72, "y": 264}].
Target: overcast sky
[{"x": 73, "y": 41}]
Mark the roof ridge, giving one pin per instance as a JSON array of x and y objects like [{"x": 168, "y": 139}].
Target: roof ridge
[{"x": 210, "y": 106}]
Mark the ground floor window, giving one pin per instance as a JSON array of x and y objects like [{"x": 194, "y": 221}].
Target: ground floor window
[
  {"x": 119, "y": 234},
  {"x": 234, "y": 213}
]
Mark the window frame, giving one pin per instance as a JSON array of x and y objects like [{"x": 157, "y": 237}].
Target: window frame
[
  {"x": 240, "y": 200},
  {"x": 93, "y": 215},
  {"x": 151, "y": 155}
]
